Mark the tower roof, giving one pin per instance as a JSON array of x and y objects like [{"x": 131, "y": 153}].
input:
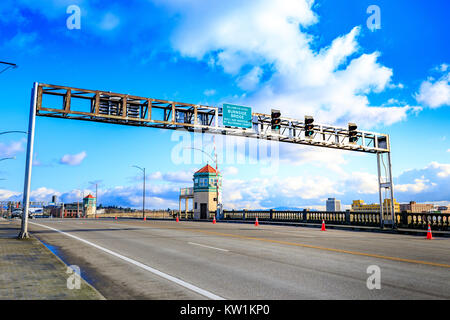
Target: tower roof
[
  {"x": 207, "y": 169},
  {"x": 89, "y": 196}
]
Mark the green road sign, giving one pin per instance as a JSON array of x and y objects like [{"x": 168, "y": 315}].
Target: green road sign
[{"x": 237, "y": 116}]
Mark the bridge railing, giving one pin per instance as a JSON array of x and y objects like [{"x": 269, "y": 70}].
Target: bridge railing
[{"x": 437, "y": 221}]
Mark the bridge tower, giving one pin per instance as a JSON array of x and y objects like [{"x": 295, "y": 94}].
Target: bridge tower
[
  {"x": 89, "y": 205},
  {"x": 206, "y": 193}
]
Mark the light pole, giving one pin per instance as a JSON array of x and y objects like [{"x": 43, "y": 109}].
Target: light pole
[
  {"x": 12, "y": 158},
  {"x": 9, "y": 65},
  {"x": 96, "y": 192},
  {"x": 143, "y": 191},
  {"x": 12, "y": 132}
]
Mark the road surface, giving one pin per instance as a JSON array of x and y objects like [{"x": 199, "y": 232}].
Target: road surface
[{"x": 132, "y": 259}]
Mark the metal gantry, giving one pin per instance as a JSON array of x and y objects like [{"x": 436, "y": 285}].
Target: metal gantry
[{"x": 125, "y": 109}]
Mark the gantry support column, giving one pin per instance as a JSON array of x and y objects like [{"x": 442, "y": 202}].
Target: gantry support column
[
  {"x": 386, "y": 184},
  {"x": 29, "y": 163}
]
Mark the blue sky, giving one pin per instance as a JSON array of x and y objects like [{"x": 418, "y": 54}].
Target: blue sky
[{"x": 316, "y": 58}]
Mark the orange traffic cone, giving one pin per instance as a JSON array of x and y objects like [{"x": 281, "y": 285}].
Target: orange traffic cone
[
  {"x": 177, "y": 219},
  {"x": 256, "y": 222},
  {"x": 323, "y": 226},
  {"x": 214, "y": 220},
  {"x": 429, "y": 235}
]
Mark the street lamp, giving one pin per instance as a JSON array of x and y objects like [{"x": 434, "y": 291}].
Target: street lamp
[
  {"x": 9, "y": 65},
  {"x": 143, "y": 191},
  {"x": 13, "y": 132},
  {"x": 12, "y": 158},
  {"x": 96, "y": 192}
]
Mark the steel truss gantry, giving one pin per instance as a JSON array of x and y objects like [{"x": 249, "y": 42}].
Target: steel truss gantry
[{"x": 104, "y": 106}]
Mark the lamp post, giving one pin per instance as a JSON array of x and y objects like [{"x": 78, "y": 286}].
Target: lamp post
[
  {"x": 12, "y": 158},
  {"x": 143, "y": 191},
  {"x": 96, "y": 194},
  {"x": 8, "y": 65},
  {"x": 5, "y": 132}
]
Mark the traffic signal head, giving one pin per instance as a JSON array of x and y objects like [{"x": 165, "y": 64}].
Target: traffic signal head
[
  {"x": 309, "y": 127},
  {"x": 352, "y": 134},
  {"x": 276, "y": 120}
]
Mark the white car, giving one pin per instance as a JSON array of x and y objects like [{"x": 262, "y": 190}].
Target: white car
[{"x": 18, "y": 213}]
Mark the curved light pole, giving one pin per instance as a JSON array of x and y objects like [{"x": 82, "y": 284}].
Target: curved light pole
[
  {"x": 143, "y": 191},
  {"x": 12, "y": 158},
  {"x": 9, "y": 65},
  {"x": 13, "y": 132}
]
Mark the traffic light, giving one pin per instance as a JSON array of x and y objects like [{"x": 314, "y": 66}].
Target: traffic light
[
  {"x": 309, "y": 127},
  {"x": 276, "y": 121},
  {"x": 352, "y": 134}
]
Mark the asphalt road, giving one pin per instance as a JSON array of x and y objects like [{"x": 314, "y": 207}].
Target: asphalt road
[{"x": 131, "y": 259}]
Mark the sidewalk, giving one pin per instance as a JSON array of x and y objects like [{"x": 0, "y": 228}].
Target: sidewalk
[{"x": 28, "y": 270}]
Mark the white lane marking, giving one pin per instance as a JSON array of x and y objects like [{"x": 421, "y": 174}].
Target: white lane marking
[
  {"x": 202, "y": 245},
  {"x": 141, "y": 265}
]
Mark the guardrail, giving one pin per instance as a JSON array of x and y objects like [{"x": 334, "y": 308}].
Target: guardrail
[{"x": 437, "y": 221}]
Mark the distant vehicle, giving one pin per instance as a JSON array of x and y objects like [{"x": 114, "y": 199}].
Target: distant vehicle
[{"x": 18, "y": 213}]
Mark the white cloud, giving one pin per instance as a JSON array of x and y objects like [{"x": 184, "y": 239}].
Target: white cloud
[
  {"x": 43, "y": 194},
  {"x": 230, "y": 171},
  {"x": 73, "y": 159},
  {"x": 431, "y": 183},
  {"x": 8, "y": 194},
  {"x": 436, "y": 93},
  {"x": 184, "y": 176},
  {"x": 443, "y": 169},
  {"x": 250, "y": 80},
  {"x": 419, "y": 185},
  {"x": 22, "y": 40},
  {"x": 109, "y": 21},
  {"x": 271, "y": 37},
  {"x": 209, "y": 92},
  {"x": 11, "y": 149},
  {"x": 362, "y": 183}
]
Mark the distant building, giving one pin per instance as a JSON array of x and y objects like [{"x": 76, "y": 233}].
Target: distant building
[
  {"x": 333, "y": 204},
  {"x": 443, "y": 209},
  {"x": 415, "y": 207},
  {"x": 67, "y": 210},
  {"x": 359, "y": 206}
]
